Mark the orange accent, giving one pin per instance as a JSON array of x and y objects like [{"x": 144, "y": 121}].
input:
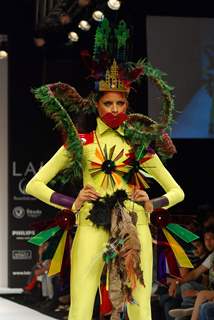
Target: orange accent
[
  {"x": 96, "y": 165},
  {"x": 116, "y": 178},
  {"x": 99, "y": 155}
]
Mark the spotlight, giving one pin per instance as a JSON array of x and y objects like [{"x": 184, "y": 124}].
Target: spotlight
[
  {"x": 84, "y": 25},
  {"x": 3, "y": 54},
  {"x": 73, "y": 36},
  {"x": 114, "y": 4},
  {"x": 98, "y": 15}
]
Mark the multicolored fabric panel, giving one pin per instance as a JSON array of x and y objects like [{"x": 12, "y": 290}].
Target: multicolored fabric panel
[{"x": 179, "y": 252}]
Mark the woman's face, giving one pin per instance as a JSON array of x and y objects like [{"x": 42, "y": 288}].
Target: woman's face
[
  {"x": 199, "y": 248},
  {"x": 209, "y": 241},
  {"x": 112, "y": 102}
]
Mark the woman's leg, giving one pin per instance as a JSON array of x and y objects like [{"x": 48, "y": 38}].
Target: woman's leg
[
  {"x": 142, "y": 295},
  {"x": 86, "y": 268}
]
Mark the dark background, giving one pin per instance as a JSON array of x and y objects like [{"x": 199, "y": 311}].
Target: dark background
[
  {"x": 31, "y": 135},
  {"x": 188, "y": 61}
]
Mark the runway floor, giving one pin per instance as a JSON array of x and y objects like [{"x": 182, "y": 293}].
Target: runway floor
[
  {"x": 14, "y": 306},
  {"x": 10, "y": 310}
]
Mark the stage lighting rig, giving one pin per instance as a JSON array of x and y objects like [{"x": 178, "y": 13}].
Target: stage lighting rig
[
  {"x": 98, "y": 15},
  {"x": 84, "y": 25},
  {"x": 73, "y": 36},
  {"x": 65, "y": 17},
  {"x": 114, "y": 4}
]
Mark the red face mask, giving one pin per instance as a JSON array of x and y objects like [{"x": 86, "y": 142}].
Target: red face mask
[{"x": 114, "y": 121}]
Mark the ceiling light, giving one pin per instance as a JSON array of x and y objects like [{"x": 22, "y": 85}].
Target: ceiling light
[
  {"x": 3, "y": 54},
  {"x": 114, "y": 4},
  {"x": 84, "y": 25},
  {"x": 98, "y": 15},
  {"x": 73, "y": 36}
]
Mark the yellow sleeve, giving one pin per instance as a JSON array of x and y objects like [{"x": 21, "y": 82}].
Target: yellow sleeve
[
  {"x": 174, "y": 193},
  {"x": 37, "y": 186}
]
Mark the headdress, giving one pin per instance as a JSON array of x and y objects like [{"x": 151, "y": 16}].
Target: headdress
[
  {"x": 112, "y": 80},
  {"x": 60, "y": 100}
]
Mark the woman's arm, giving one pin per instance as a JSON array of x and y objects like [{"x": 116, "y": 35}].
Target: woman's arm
[
  {"x": 38, "y": 188},
  {"x": 174, "y": 193}
]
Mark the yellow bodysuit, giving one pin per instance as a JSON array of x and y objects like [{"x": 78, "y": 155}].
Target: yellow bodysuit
[{"x": 89, "y": 242}]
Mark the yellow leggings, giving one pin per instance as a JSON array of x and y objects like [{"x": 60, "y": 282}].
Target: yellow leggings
[{"x": 86, "y": 270}]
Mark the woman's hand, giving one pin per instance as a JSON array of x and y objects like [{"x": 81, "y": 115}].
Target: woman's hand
[
  {"x": 86, "y": 194},
  {"x": 139, "y": 195},
  {"x": 172, "y": 288}
]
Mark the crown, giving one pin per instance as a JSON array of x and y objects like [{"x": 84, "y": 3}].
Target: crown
[{"x": 112, "y": 81}]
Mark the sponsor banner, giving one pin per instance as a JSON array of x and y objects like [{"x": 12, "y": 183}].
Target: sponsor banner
[
  {"x": 22, "y": 254},
  {"x": 24, "y": 211},
  {"x": 21, "y": 175},
  {"x": 19, "y": 212},
  {"x": 31, "y": 142}
]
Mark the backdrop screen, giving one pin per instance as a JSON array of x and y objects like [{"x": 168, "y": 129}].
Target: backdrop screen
[{"x": 183, "y": 48}]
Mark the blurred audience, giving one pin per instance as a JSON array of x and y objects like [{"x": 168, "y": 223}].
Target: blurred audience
[{"x": 190, "y": 287}]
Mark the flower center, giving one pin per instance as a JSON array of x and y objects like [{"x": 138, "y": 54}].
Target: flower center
[
  {"x": 108, "y": 166},
  {"x": 136, "y": 165}
]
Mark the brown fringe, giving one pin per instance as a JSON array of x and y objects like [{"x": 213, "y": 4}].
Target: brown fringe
[{"x": 125, "y": 268}]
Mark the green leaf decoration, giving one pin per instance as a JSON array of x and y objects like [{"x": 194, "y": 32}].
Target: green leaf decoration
[
  {"x": 182, "y": 232},
  {"x": 122, "y": 35},
  {"x": 54, "y": 109},
  {"x": 43, "y": 236},
  {"x": 158, "y": 78},
  {"x": 142, "y": 131},
  {"x": 52, "y": 245},
  {"x": 102, "y": 39}
]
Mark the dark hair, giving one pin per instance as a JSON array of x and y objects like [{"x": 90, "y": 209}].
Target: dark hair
[
  {"x": 100, "y": 94},
  {"x": 85, "y": 122},
  {"x": 209, "y": 229},
  {"x": 209, "y": 214}
]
